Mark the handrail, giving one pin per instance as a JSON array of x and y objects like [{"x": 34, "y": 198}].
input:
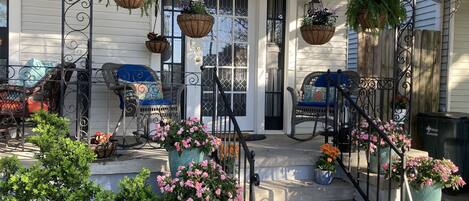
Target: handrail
[
  {"x": 359, "y": 111},
  {"x": 253, "y": 177}
]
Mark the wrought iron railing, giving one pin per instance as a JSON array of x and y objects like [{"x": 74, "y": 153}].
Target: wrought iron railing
[
  {"x": 351, "y": 110},
  {"x": 234, "y": 154}
]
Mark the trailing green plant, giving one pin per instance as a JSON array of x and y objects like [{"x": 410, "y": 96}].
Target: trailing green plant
[
  {"x": 147, "y": 6},
  {"x": 136, "y": 189},
  {"x": 320, "y": 17},
  {"x": 380, "y": 13},
  {"x": 62, "y": 171},
  {"x": 194, "y": 7}
]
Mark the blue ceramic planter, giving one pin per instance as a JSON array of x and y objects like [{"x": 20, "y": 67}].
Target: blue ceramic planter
[
  {"x": 190, "y": 155},
  {"x": 323, "y": 177},
  {"x": 427, "y": 193},
  {"x": 383, "y": 159}
]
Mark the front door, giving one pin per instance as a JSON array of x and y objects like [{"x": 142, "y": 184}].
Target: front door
[
  {"x": 227, "y": 49},
  {"x": 4, "y": 41}
]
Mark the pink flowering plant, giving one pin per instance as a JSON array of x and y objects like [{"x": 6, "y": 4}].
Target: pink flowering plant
[
  {"x": 186, "y": 134},
  {"x": 426, "y": 171},
  {"x": 366, "y": 139},
  {"x": 200, "y": 182}
]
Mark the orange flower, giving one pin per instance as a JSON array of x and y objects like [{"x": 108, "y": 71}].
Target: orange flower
[
  {"x": 330, "y": 150},
  {"x": 228, "y": 151},
  {"x": 103, "y": 138}
]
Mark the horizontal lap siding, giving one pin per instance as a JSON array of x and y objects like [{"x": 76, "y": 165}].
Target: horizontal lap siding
[
  {"x": 332, "y": 55},
  {"x": 117, "y": 37},
  {"x": 459, "y": 72}
]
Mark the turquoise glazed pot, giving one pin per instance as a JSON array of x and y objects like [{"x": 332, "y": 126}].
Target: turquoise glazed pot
[
  {"x": 189, "y": 155},
  {"x": 383, "y": 159},
  {"x": 427, "y": 193},
  {"x": 323, "y": 177}
]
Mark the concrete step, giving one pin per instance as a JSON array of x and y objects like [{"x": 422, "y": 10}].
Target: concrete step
[
  {"x": 304, "y": 190},
  {"x": 281, "y": 158}
]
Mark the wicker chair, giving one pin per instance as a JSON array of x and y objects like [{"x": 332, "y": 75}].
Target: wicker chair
[
  {"x": 318, "y": 112},
  {"x": 126, "y": 81},
  {"x": 17, "y": 102}
]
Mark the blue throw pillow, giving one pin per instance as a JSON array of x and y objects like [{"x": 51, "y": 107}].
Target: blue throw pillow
[{"x": 33, "y": 71}]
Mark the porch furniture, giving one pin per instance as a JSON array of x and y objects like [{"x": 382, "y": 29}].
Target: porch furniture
[
  {"x": 316, "y": 99},
  {"x": 141, "y": 97},
  {"x": 38, "y": 87}
]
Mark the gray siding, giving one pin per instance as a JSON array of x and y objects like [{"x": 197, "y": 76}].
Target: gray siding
[
  {"x": 445, "y": 55},
  {"x": 352, "y": 51}
]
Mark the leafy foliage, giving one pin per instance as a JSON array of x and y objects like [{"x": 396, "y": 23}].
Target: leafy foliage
[
  {"x": 136, "y": 189},
  {"x": 195, "y": 7},
  {"x": 320, "y": 17},
  {"x": 198, "y": 182},
  {"x": 392, "y": 11},
  {"x": 62, "y": 172}
]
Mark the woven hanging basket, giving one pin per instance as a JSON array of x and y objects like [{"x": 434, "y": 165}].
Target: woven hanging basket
[
  {"x": 130, "y": 4},
  {"x": 317, "y": 34},
  {"x": 157, "y": 46},
  {"x": 195, "y": 25},
  {"x": 363, "y": 20},
  {"x": 104, "y": 150}
]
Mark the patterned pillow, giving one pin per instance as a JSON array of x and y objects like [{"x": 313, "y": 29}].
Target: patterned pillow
[
  {"x": 318, "y": 94},
  {"x": 148, "y": 90},
  {"x": 33, "y": 72}
]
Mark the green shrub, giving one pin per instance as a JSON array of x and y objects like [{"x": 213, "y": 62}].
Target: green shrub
[
  {"x": 136, "y": 189},
  {"x": 62, "y": 172}
]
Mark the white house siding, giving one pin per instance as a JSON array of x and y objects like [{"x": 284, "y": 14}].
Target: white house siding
[
  {"x": 459, "y": 68},
  {"x": 332, "y": 55},
  {"x": 117, "y": 37}
]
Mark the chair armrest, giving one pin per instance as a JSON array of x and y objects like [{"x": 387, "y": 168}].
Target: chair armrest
[
  {"x": 294, "y": 95},
  {"x": 15, "y": 88}
]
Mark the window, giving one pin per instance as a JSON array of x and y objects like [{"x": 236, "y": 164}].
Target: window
[
  {"x": 226, "y": 48},
  {"x": 4, "y": 41}
]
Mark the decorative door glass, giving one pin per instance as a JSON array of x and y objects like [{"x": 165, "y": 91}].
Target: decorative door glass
[{"x": 226, "y": 48}]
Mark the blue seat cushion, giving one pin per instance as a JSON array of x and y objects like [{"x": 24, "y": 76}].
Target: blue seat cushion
[
  {"x": 155, "y": 102},
  {"x": 314, "y": 104}
]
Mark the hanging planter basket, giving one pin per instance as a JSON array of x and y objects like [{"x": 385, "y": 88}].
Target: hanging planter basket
[
  {"x": 157, "y": 46},
  {"x": 317, "y": 34},
  {"x": 195, "y": 25},
  {"x": 130, "y": 4},
  {"x": 364, "y": 21}
]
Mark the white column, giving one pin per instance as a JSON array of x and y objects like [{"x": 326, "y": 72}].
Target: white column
[
  {"x": 155, "y": 59},
  {"x": 261, "y": 52},
  {"x": 291, "y": 47},
  {"x": 14, "y": 18}
]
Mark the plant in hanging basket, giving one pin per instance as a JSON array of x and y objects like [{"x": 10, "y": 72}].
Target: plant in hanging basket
[
  {"x": 318, "y": 27},
  {"x": 374, "y": 14},
  {"x": 194, "y": 20},
  {"x": 156, "y": 43},
  {"x": 144, "y": 5},
  {"x": 102, "y": 145}
]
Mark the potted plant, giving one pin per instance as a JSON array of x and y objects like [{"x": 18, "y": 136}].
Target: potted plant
[
  {"x": 325, "y": 166},
  {"x": 144, "y": 5},
  {"x": 194, "y": 20},
  {"x": 102, "y": 145},
  {"x": 186, "y": 141},
  {"x": 228, "y": 155},
  {"x": 156, "y": 43},
  {"x": 200, "y": 181},
  {"x": 427, "y": 177},
  {"x": 371, "y": 14},
  {"x": 318, "y": 27},
  {"x": 400, "y": 110},
  {"x": 378, "y": 149}
]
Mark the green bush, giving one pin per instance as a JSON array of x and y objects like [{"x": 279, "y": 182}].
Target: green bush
[
  {"x": 136, "y": 189},
  {"x": 62, "y": 171}
]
